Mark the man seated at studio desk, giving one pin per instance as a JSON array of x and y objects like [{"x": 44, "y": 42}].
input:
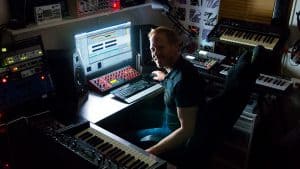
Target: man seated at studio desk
[{"x": 193, "y": 125}]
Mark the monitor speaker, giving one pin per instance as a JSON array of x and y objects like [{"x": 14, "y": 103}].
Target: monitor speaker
[
  {"x": 142, "y": 44},
  {"x": 69, "y": 81},
  {"x": 79, "y": 75}
]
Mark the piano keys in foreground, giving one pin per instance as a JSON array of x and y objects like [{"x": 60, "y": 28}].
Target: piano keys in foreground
[
  {"x": 246, "y": 33},
  {"x": 102, "y": 149}
]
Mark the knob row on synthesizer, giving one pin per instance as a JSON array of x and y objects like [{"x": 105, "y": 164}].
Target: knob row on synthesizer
[{"x": 114, "y": 79}]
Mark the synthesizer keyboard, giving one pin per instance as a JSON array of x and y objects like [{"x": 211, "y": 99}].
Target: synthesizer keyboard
[
  {"x": 277, "y": 83},
  {"x": 245, "y": 33},
  {"x": 249, "y": 38},
  {"x": 103, "y": 149},
  {"x": 273, "y": 82},
  {"x": 136, "y": 90}
]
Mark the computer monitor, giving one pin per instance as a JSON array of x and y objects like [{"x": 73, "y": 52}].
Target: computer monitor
[{"x": 105, "y": 49}]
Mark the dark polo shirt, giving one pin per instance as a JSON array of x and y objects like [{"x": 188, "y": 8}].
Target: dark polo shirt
[{"x": 183, "y": 88}]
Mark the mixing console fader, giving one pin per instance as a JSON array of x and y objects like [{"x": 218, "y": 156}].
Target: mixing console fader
[{"x": 114, "y": 79}]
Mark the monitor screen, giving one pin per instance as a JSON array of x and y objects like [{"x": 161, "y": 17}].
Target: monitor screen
[{"x": 104, "y": 49}]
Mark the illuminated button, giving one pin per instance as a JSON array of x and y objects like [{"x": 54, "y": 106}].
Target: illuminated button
[
  {"x": 10, "y": 60},
  {"x": 113, "y": 81},
  {"x": 6, "y": 166},
  {"x": 14, "y": 69},
  {"x": 4, "y": 80},
  {"x": 23, "y": 57},
  {"x": 43, "y": 77},
  {"x": 116, "y": 5},
  {"x": 3, "y": 49}
]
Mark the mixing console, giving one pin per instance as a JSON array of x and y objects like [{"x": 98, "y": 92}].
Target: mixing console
[{"x": 114, "y": 79}]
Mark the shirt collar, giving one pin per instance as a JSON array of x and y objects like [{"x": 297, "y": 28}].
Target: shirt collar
[{"x": 175, "y": 67}]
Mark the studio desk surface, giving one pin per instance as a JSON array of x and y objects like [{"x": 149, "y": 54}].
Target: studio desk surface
[{"x": 98, "y": 107}]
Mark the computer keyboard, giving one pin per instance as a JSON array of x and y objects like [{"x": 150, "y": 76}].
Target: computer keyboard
[{"x": 136, "y": 90}]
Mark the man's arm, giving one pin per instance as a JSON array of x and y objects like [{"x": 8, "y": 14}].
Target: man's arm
[{"x": 187, "y": 117}]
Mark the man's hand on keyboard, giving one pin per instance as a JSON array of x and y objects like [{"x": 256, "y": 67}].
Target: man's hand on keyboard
[{"x": 158, "y": 75}]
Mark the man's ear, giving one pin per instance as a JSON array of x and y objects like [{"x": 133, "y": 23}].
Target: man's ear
[{"x": 179, "y": 46}]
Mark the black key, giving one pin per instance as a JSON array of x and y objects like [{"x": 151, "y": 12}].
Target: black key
[
  {"x": 98, "y": 141},
  {"x": 259, "y": 38},
  {"x": 128, "y": 160},
  {"x": 251, "y": 36},
  {"x": 256, "y": 38},
  {"x": 270, "y": 80},
  {"x": 282, "y": 83},
  {"x": 123, "y": 158},
  {"x": 85, "y": 135},
  {"x": 132, "y": 164},
  {"x": 107, "y": 147},
  {"x": 241, "y": 34},
  {"x": 144, "y": 166},
  {"x": 108, "y": 153},
  {"x": 248, "y": 35},
  {"x": 266, "y": 79},
  {"x": 278, "y": 82},
  {"x": 272, "y": 39},
  {"x": 137, "y": 164},
  {"x": 90, "y": 140},
  {"x": 226, "y": 32},
  {"x": 112, "y": 154},
  {"x": 236, "y": 34},
  {"x": 269, "y": 39},
  {"x": 102, "y": 146},
  {"x": 117, "y": 155},
  {"x": 265, "y": 39}
]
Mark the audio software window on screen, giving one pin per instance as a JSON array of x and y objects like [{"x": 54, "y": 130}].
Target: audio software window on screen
[{"x": 104, "y": 48}]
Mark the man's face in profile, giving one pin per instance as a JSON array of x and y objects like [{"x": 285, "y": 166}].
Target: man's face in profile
[{"x": 161, "y": 50}]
